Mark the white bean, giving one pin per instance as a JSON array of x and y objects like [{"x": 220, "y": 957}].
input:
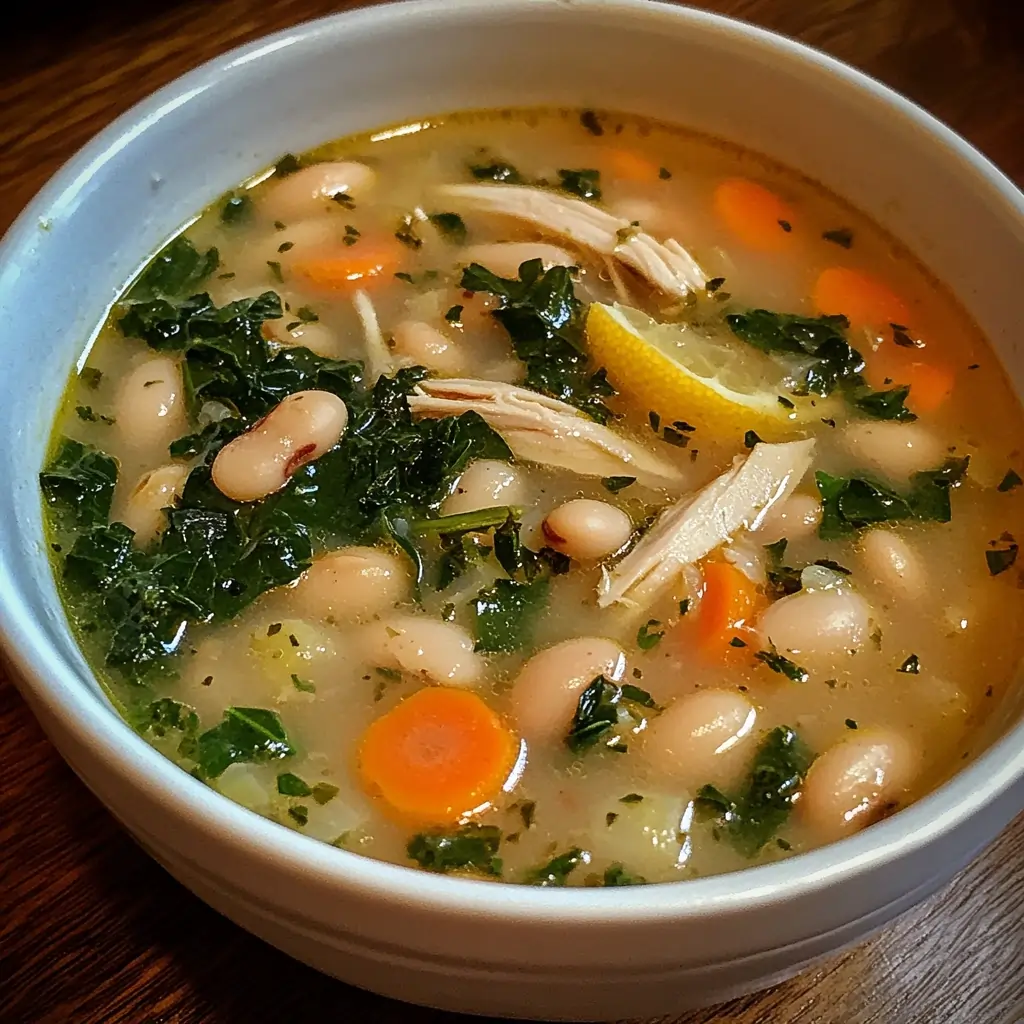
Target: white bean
[
  {"x": 895, "y": 449},
  {"x": 817, "y": 622},
  {"x": 296, "y": 431},
  {"x": 700, "y": 737},
  {"x": 486, "y": 483},
  {"x": 587, "y": 529},
  {"x": 548, "y": 687},
  {"x": 892, "y": 562},
  {"x": 419, "y": 344},
  {"x": 504, "y": 258},
  {"x": 352, "y": 584},
  {"x": 439, "y": 651},
  {"x": 797, "y": 516},
  {"x": 315, "y": 336},
  {"x": 856, "y": 782},
  {"x": 306, "y": 192},
  {"x": 156, "y": 490},
  {"x": 150, "y": 404}
]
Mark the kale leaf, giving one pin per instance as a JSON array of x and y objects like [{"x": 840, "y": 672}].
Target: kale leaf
[
  {"x": 851, "y": 503},
  {"x": 78, "y": 483},
  {"x": 557, "y": 870},
  {"x": 246, "y": 735},
  {"x": 544, "y": 320},
  {"x": 506, "y": 613},
  {"x": 472, "y": 848},
  {"x": 605, "y": 707},
  {"x": 175, "y": 271},
  {"x": 776, "y": 775}
]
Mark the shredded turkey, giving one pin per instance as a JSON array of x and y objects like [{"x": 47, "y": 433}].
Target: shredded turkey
[
  {"x": 698, "y": 524},
  {"x": 666, "y": 265},
  {"x": 544, "y": 430},
  {"x": 379, "y": 361}
]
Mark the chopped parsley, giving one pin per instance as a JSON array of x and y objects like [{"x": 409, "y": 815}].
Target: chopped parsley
[
  {"x": 781, "y": 664},
  {"x": 303, "y": 685},
  {"x": 454, "y": 315},
  {"x": 648, "y": 635},
  {"x": 450, "y": 226},
  {"x": 616, "y": 874},
  {"x": 557, "y": 870},
  {"x": 291, "y": 785},
  {"x": 471, "y": 848},
  {"x": 605, "y": 711}
]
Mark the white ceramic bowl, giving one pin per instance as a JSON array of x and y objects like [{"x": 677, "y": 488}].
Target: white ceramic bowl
[{"x": 464, "y": 945}]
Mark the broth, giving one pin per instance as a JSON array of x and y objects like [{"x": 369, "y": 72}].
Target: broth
[{"x": 810, "y": 644}]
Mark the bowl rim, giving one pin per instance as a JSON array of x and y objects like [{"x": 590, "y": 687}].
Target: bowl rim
[{"x": 97, "y": 725}]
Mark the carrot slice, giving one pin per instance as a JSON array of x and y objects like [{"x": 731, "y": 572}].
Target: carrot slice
[
  {"x": 437, "y": 755},
  {"x": 358, "y": 267},
  {"x": 754, "y": 213},
  {"x": 729, "y": 604},
  {"x": 626, "y": 165},
  {"x": 861, "y": 298}
]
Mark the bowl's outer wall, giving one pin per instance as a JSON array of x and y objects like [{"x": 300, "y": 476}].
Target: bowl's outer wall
[{"x": 572, "y": 954}]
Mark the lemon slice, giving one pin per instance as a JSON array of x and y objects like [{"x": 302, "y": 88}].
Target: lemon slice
[{"x": 681, "y": 374}]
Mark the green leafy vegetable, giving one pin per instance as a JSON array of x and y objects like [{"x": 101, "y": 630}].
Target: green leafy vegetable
[
  {"x": 884, "y": 405},
  {"x": 850, "y": 503},
  {"x": 586, "y": 183},
  {"x": 165, "y": 714},
  {"x": 781, "y": 664},
  {"x": 78, "y": 483},
  {"x": 1008, "y": 483},
  {"x": 303, "y": 685},
  {"x": 750, "y": 438},
  {"x": 1000, "y": 559},
  {"x": 407, "y": 232},
  {"x": 648, "y": 635},
  {"x": 454, "y": 315},
  {"x": 174, "y": 272},
  {"x": 299, "y": 813},
  {"x": 496, "y": 171},
  {"x": 759, "y": 811},
  {"x": 471, "y": 848},
  {"x": 590, "y": 121},
  {"x": 782, "y": 579},
  {"x": 237, "y": 210},
  {"x": 506, "y": 614},
  {"x": 557, "y": 870},
  {"x": 616, "y": 874},
  {"x": 91, "y": 377},
  {"x": 324, "y": 792},
  {"x": 450, "y": 226},
  {"x": 89, "y": 415},
  {"x": 911, "y": 665},
  {"x": 288, "y": 164},
  {"x": 617, "y": 483},
  {"x": 544, "y": 320},
  {"x": 292, "y": 785},
  {"x": 605, "y": 711},
  {"x": 246, "y": 735}
]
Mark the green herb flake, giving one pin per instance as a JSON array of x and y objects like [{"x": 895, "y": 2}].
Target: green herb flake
[
  {"x": 884, "y": 405},
  {"x": 527, "y": 811},
  {"x": 585, "y": 183},
  {"x": 851, "y": 723},
  {"x": 351, "y": 236},
  {"x": 450, "y": 226},
  {"x": 610, "y": 818},
  {"x": 737, "y": 642},
  {"x": 557, "y": 870},
  {"x": 590, "y": 121},
  {"x": 1000, "y": 559},
  {"x": 472, "y": 848},
  {"x": 603, "y": 709},
  {"x": 285, "y": 246},
  {"x": 303, "y": 685},
  {"x": 664, "y": 173},
  {"x": 1010, "y": 481},
  {"x": 496, "y": 171},
  {"x": 324, "y": 792},
  {"x": 454, "y": 315},
  {"x": 291, "y": 785},
  {"x": 344, "y": 200},
  {"x": 91, "y": 377},
  {"x": 237, "y": 210},
  {"x": 275, "y": 271},
  {"x": 506, "y": 613},
  {"x": 911, "y": 665},
  {"x": 299, "y": 813},
  {"x": 617, "y": 483},
  {"x": 781, "y": 664},
  {"x": 407, "y": 232},
  {"x": 631, "y": 798},
  {"x": 839, "y": 236},
  {"x": 616, "y": 874},
  {"x": 750, "y": 438},
  {"x": 684, "y": 606},
  {"x": 648, "y": 635},
  {"x": 288, "y": 164},
  {"x": 89, "y": 415}
]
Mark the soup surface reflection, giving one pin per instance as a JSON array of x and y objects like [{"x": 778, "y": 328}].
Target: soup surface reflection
[{"x": 545, "y": 496}]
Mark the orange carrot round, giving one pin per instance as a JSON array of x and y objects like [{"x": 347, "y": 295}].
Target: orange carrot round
[
  {"x": 863, "y": 299},
  {"x": 931, "y": 383},
  {"x": 754, "y": 213},
  {"x": 437, "y": 755},
  {"x": 729, "y": 604},
  {"x": 626, "y": 165},
  {"x": 359, "y": 266}
]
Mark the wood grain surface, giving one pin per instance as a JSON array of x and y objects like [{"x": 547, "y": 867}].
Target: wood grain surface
[{"x": 91, "y": 930}]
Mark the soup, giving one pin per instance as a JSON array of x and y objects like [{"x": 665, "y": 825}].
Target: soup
[{"x": 545, "y": 496}]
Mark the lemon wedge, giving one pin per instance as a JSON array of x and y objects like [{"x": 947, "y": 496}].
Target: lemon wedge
[{"x": 681, "y": 374}]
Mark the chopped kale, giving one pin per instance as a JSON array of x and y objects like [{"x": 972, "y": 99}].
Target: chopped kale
[
  {"x": 506, "y": 613},
  {"x": 604, "y": 711},
  {"x": 1009, "y": 482},
  {"x": 648, "y": 635},
  {"x": 782, "y": 579},
  {"x": 450, "y": 226},
  {"x": 246, "y": 735},
  {"x": 78, "y": 482},
  {"x": 884, "y": 405},
  {"x": 454, "y": 315},
  {"x": 544, "y": 321},
  {"x": 470, "y": 848},
  {"x": 557, "y": 870},
  {"x": 585, "y": 184},
  {"x": 781, "y": 664},
  {"x": 751, "y": 818},
  {"x": 299, "y": 813},
  {"x": 174, "y": 272},
  {"x": 616, "y": 874},
  {"x": 850, "y": 503},
  {"x": 291, "y": 785},
  {"x": 1000, "y": 559}
]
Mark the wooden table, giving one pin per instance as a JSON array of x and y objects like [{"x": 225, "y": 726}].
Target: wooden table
[{"x": 91, "y": 930}]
